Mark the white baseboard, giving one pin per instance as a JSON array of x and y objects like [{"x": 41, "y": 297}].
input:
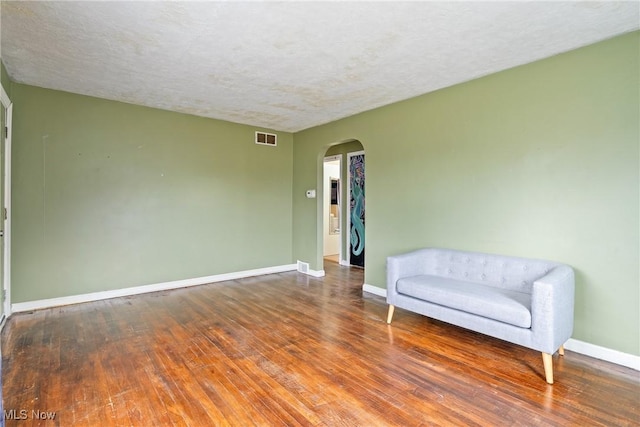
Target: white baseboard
[
  {"x": 603, "y": 353},
  {"x": 345, "y": 263},
  {"x": 96, "y": 296},
  {"x": 315, "y": 273},
  {"x": 374, "y": 290},
  {"x": 591, "y": 350},
  {"x": 303, "y": 267}
]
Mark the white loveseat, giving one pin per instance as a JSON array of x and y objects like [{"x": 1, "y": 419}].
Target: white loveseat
[{"x": 524, "y": 301}]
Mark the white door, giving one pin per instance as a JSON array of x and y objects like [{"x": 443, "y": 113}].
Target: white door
[
  {"x": 356, "y": 204},
  {"x": 5, "y": 197}
]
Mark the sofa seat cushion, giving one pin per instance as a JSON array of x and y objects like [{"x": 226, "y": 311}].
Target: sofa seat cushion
[{"x": 503, "y": 305}]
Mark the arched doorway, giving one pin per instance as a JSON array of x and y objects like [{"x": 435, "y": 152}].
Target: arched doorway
[{"x": 350, "y": 203}]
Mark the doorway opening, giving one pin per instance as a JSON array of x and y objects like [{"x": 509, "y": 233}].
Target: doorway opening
[
  {"x": 343, "y": 189},
  {"x": 332, "y": 209}
]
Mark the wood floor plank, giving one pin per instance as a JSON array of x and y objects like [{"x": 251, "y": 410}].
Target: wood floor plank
[{"x": 289, "y": 349}]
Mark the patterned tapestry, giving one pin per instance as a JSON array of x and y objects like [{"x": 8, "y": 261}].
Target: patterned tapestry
[{"x": 356, "y": 238}]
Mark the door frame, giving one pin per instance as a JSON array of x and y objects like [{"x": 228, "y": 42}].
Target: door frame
[
  {"x": 338, "y": 158},
  {"x": 6, "y": 276},
  {"x": 348, "y": 230}
]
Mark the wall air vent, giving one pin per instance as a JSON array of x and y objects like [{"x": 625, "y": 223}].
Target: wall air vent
[
  {"x": 303, "y": 267},
  {"x": 263, "y": 138}
]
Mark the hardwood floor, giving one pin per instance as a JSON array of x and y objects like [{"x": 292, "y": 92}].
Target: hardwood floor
[
  {"x": 286, "y": 350},
  {"x": 332, "y": 258}
]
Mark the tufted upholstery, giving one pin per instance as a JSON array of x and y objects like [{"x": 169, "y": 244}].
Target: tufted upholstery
[
  {"x": 524, "y": 301},
  {"x": 512, "y": 273}
]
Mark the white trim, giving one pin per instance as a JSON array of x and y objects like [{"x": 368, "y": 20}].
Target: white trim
[
  {"x": 603, "y": 353},
  {"x": 374, "y": 290},
  {"x": 315, "y": 273},
  {"x": 345, "y": 263},
  {"x": 6, "y": 253},
  {"x": 97, "y": 296},
  {"x": 341, "y": 236},
  {"x": 336, "y": 158},
  {"x": 585, "y": 348},
  {"x": 4, "y": 97},
  {"x": 333, "y": 158}
]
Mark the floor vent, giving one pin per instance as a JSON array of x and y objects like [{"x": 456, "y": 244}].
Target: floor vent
[
  {"x": 263, "y": 138},
  {"x": 303, "y": 267}
]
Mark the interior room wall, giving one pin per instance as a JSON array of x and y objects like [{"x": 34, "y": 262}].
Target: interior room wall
[
  {"x": 108, "y": 195},
  {"x": 538, "y": 161}
]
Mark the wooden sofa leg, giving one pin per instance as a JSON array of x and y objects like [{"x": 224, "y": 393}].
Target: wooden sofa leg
[
  {"x": 561, "y": 350},
  {"x": 390, "y": 314},
  {"x": 547, "y": 360}
]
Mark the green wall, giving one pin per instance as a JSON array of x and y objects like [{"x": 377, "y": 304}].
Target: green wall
[
  {"x": 109, "y": 195},
  {"x": 537, "y": 161}
]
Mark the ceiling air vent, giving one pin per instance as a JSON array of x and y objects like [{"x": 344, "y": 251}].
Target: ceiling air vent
[{"x": 263, "y": 138}]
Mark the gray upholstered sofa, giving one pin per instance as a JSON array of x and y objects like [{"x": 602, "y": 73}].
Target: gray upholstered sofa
[{"x": 524, "y": 301}]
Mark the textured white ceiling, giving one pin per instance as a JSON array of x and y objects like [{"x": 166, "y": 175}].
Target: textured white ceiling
[{"x": 287, "y": 65}]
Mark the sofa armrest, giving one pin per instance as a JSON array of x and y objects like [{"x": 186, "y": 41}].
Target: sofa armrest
[
  {"x": 552, "y": 302},
  {"x": 405, "y": 265}
]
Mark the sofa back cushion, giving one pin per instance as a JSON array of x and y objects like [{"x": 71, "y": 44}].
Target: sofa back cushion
[{"x": 517, "y": 274}]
